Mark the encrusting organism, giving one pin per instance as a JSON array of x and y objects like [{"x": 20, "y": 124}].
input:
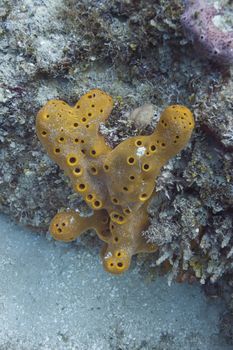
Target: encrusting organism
[
  {"x": 116, "y": 183},
  {"x": 204, "y": 24}
]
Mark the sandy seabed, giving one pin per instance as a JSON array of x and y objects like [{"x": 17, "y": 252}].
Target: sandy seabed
[{"x": 57, "y": 296}]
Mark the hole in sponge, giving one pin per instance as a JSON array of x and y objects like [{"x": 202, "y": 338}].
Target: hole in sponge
[
  {"x": 143, "y": 197},
  {"x": 106, "y": 167},
  {"x": 72, "y": 160},
  {"x": 146, "y": 167},
  {"x": 97, "y": 204},
  {"x": 89, "y": 197},
  {"x": 127, "y": 211},
  {"x": 57, "y": 150},
  {"x": 44, "y": 133},
  {"x": 119, "y": 264},
  {"x": 116, "y": 217},
  {"x": 75, "y": 125},
  {"x": 77, "y": 171},
  {"x": 138, "y": 143},
  {"x": 93, "y": 170},
  {"x": 132, "y": 177},
  {"x": 115, "y": 200},
  {"x": 153, "y": 148},
  {"x": 81, "y": 187},
  {"x": 130, "y": 160},
  {"x": 93, "y": 152}
]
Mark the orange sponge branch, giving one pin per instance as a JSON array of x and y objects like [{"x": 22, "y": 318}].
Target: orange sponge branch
[{"x": 116, "y": 183}]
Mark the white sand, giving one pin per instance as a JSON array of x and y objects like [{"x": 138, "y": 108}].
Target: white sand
[{"x": 55, "y": 296}]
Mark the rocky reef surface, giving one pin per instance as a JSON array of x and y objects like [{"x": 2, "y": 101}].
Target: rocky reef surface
[{"x": 138, "y": 53}]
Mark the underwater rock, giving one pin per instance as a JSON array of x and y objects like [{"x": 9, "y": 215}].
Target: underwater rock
[{"x": 136, "y": 51}]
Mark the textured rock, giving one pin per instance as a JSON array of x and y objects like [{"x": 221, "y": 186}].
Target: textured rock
[{"x": 136, "y": 52}]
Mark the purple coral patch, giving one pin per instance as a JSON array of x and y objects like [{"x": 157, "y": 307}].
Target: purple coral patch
[{"x": 199, "y": 23}]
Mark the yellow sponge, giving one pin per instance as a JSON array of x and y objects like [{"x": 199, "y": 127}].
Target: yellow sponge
[
  {"x": 67, "y": 226},
  {"x": 117, "y": 183},
  {"x": 71, "y": 138}
]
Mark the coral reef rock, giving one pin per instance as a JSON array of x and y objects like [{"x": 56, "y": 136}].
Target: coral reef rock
[{"x": 137, "y": 51}]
